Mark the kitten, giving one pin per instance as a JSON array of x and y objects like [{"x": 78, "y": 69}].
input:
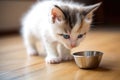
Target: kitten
[{"x": 60, "y": 26}]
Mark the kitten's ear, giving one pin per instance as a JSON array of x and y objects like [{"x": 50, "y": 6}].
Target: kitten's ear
[
  {"x": 88, "y": 10},
  {"x": 57, "y": 14}
]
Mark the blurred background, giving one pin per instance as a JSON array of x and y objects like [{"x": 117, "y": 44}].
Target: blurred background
[{"x": 11, "y": 12}]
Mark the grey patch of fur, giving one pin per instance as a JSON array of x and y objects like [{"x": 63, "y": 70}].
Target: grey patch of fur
[{"x": 70, "y": 15}]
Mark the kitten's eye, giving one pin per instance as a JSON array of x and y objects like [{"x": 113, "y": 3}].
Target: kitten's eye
[
  {"x": 66, "y": 36},
  {"x": 80, "y": 36}
]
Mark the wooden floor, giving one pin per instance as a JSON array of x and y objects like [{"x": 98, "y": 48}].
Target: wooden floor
[{"x": 16, "y": 65}]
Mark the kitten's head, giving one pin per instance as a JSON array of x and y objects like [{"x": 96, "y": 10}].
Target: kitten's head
[{"x": 70, "y": 24}]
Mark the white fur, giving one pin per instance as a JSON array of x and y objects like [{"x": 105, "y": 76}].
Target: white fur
[{"x": 36, "y": 24}]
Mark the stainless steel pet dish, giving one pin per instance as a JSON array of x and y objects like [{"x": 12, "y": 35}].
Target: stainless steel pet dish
[{"x": 88, "y": 59}]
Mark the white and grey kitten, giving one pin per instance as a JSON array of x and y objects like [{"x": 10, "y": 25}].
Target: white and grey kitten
[{"x": 60, "y": 26}]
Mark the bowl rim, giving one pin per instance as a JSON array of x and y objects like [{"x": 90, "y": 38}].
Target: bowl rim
[{"x": 81, "y": 52}]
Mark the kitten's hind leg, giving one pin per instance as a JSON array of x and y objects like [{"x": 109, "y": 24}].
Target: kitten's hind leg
[{"x": 29, "y": 41}]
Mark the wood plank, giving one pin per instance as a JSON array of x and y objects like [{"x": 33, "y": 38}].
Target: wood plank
[{"x": 16, "y": 65}]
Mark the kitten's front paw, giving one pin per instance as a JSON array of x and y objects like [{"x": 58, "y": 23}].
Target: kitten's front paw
[
  {"x": 67, "y": 58},
  {"x": 53, "y": 60}
]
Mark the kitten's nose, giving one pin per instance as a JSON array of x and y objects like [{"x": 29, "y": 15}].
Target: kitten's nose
[{"x": 73, "y": 45}]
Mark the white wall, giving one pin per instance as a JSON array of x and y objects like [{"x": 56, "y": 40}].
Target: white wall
[{"x": 11, "y": 13}]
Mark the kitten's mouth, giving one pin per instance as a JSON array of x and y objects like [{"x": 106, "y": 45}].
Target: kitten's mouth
[{"x": 70, "y": 47}]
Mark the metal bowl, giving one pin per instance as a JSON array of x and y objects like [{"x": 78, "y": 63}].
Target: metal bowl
[{"x": 88, "y": 59}]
